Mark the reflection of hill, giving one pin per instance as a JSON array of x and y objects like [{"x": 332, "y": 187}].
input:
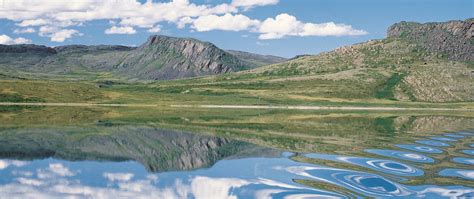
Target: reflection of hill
[{"x": 157, "y": 150}]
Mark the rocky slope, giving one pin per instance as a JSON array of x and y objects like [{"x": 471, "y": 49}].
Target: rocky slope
[
  {"x": 161, "y": 57},
  {"x": 417, "y": 62},
  {"x": 256, "y": 59},
  {"x": 455, "y": 39},
  {"x": 24, "y": 55}
]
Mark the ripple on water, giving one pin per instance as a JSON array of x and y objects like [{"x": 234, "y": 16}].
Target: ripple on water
[
  {"x": 444, "y": 139},
  {"x": 401, "y": 155},
  {"x": 466, "y": 133},
  {"x": 454, "y": 135},
  {"x": 386, "y": 166},
  {"x": 468, "y": 152},
  {"x": 432, "y": 143},
  {"x": 419, "y": 148},
  {"x": 463, "y": 160},
  {"x": 466, "y": 174},
  {"x": 361, "y": 182}
]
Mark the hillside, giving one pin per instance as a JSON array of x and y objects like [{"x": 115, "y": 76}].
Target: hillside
[
  {"x": 400, "y": 70},
  {"x": 256, "y": 59},
  {"x": 161, "y": 57},
  {"x": 414, "y": 66}
]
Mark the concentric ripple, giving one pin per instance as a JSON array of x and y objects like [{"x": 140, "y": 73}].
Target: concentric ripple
[
  {"x": 468, "y": 152},
  {"x": 386, "y": 166},
  {"x": 444, "y": 139},
  {"x": 432, "y": 143},
  {"x": 401, "y": 155},
  {"x": 419, "y": 148},
  {"x": 463, "y": 160},
  {"x": 466, "y": 174},
  {"x": 361, "y": 182}
]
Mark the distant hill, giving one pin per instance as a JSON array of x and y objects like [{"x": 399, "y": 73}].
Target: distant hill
[
  {"x": 417, "y": 62},
  {"x": 161, "y": 57},
  {"x": 256, "y": 59}
]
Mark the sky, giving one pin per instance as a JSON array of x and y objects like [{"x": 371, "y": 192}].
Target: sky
[{"x": 278, "y": 27}]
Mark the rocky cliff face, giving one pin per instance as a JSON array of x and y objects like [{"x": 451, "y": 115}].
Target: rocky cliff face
[
  {"x": 163, "y": 57},
  {"x": 453, "y": 38},
  {"x": 23, "y": 56}
]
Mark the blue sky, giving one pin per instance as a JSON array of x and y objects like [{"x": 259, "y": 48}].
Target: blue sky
[{"x": 304, "y": 26}]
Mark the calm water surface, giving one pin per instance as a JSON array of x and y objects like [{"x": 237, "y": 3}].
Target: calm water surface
[{"x": 140, "y": 161}]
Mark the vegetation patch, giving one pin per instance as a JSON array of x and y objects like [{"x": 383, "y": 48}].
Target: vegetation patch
[{"x": 387, "y": 90}]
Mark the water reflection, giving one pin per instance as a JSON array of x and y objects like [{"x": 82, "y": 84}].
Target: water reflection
[
  {"x": 386, "y": 166},
  {"x": 419, "y": 148},
  {"x": 443, "y": 139},
  {"x": 463, "y": 160},
  {"x": 466, "y": 174},
  {"x": 342, "y": 158},
  {"x": 468, "y": 152},
  {"x": 432, "y": 143},
  {"x": 401, "y": 155}
]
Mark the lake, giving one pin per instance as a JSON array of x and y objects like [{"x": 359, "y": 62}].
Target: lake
[{"x": 61, "y": 152}]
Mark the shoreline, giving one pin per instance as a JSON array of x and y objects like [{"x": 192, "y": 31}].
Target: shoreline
[{"x": 280, "y": 107}]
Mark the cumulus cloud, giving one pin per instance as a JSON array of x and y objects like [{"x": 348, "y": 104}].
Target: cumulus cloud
[
  {"x": 118, "y": 176},
  {"x": 120, "y": 30},
  {"x": 287, "y": 25},
  {"x": 54, "y": 170},
  {"x": 247, "y": 4},
  {"x": 5, "y": 39},
  {"x": 57, "y": 34},
  {"x": 28, "y": 181},
  {"x": 155, "y": 29},
  {"x": 25, "y": 30},
  {"x": 226, "y": 22},
  {"x": 57, "y": 18}
]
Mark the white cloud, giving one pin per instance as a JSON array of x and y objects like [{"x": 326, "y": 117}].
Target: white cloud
[
  {"x": 33, "y": 22},
  {"x": 54, "y": 170},
  {"x": 226, "y": 22},
  {"x": 155, "y": 29},
  {"x": 60, "y": 170},
  {"x": 118, "y": 176},
  {"x": 5, "y": 39},
  {"x": 28, "y": 181},
  {"x": 287, "y": 25},
  {"x": 25, "y": 30},
  {"x": 120, "y": 30},
  {"x": 247, "y": 4},
  {"x": 57, "y": 34},
  {"x": 128, "y": 15}
]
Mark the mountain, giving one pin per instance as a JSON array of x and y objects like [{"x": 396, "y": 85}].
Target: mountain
[
  {"x": 256, "y": 59},
  {"x": 24, "y": 55},
  {"x": 429, "y": 62},
  {"x": 455, "y": 39},
  {"x": 161, "y": 57}
]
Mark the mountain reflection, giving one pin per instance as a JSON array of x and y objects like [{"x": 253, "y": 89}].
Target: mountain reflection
[
  {"x": 103, "y": 154},
  {"x": 157, "y": 149}
]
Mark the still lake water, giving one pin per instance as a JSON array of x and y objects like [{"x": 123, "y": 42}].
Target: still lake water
[{"x": 330, "y": 156}]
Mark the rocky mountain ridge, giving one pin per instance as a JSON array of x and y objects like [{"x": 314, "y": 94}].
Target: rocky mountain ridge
[
  {"x": 454, "y": 39},
  {"x": 161, "y": 57}
]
